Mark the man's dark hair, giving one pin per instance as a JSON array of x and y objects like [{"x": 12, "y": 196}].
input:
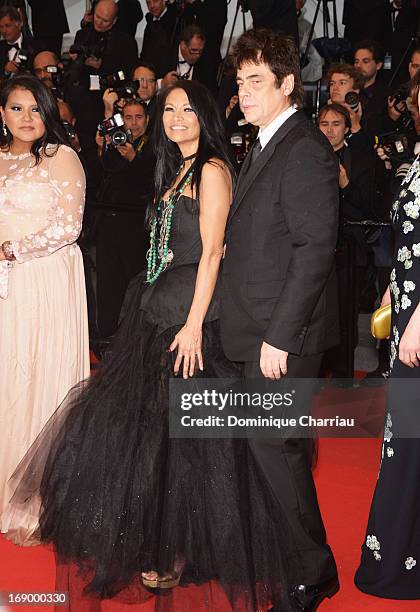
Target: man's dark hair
[
  {"x": 415, "y": 50},
  {"x": 349, "y": 71},
  {"x": 278, "y": 52},
  {"x": 212, "y": 142},
  {"x": 136, "y": 102},
  {"x": 339, "y": 110},
  {"x": 374, "y": 47},
  {"x": 147, "y": 65},
  {"x": 11, "y": 12},
  {"x": 47, "y": 106},
  {"x": 189, "y": 32}
]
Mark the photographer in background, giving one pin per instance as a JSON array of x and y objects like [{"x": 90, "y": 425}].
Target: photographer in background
[
  {"x": 159, "y": 35},
  {"x": 126, "y": 190},
  {"x": 344, "y": 85},
  {"x": 368, "y": 61},
  {"x": 144, "y": 86},
  {"x": 16, "y": 48},
  {"x": 187, "y": 62},
  {"x": 397, "y": 103},
  {"x": 357, "y": 202}
]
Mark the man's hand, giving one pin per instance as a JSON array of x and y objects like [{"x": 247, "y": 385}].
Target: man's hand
[
  {"x": 273, "y": 361},
  {"x": 127, "y": 151},
  {"x": 11, "y": 67},
  {"x": 355, "y": 117},
  {"x": 93, "y": 62},
  {"x": 109, "y": 98},
  {"x": 394, "y": 111},
  {"x": 169, "y": 78},
  {"x": 343, "y": 179}
]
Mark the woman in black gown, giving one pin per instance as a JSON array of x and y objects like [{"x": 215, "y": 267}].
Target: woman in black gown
[
  {"x": 390, "y": 563},
  {"x": 128, "y": 505}
]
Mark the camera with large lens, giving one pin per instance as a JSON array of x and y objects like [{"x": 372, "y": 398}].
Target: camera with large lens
[
  {"x": 352, "y": 99},
  {"x": 397, "y": 146},
  {"x": 69, "y": 130},
  {"x": 56, "y": 75},
  {"x": 114, "y": 128},
  {"x": 83, "y": 52},
  {"x": 128, "y": 90},
  {"x": 23, "y": 58},
  {"x": 112, "y": 81},
  {"x": 399, "y": 102}
]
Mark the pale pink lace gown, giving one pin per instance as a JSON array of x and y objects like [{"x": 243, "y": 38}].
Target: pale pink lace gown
[{"x": 43, "y": 315}]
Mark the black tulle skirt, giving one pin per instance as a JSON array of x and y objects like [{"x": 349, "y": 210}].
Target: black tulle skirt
[{"x": 118, "y": 496}]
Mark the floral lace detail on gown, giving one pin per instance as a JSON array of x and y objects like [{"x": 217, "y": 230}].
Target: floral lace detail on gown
[
  {"x": 30, "y": 185},
  {"x": 43, "y": 315}
]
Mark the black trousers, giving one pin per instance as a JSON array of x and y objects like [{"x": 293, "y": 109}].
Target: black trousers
[
  {"x": 120, "y": 255},
  {"x": 286, "y": 464}
]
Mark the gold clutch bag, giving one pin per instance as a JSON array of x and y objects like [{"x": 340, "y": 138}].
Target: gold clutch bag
[{"x": 380, "y": 323}]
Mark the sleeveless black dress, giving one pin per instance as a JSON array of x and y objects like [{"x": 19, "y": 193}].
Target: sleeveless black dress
[
  {"x": 390, "y": 563},
  {"x": 120, "y": 497}
]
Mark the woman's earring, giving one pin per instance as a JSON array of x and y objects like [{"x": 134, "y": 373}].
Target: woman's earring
[{"x": 4, "y": 129}]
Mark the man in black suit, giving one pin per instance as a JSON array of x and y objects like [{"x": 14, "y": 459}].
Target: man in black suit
[
  {"x": 187, "y": 60},
  {"x": 15, "y": 43},
  {"x": 357, "y": 202},
  {"x": 49, "y": 23},
  {"x": 279, "y": 302},
  {"x": 159, "y": 35}
]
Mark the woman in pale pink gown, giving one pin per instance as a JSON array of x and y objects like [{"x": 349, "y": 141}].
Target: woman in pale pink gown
[{"x": 43, "y": 317}]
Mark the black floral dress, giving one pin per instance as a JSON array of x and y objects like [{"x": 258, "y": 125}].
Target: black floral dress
[{"x": 390, "y": 563}]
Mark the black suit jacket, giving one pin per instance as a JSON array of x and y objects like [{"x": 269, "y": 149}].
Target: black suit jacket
[
  {"x": 203, "y": 72},
  {"x": 28, "y": 44},
  {"x": 120, "y": 49},
  {"x": 48, "y": 17},
  {"x": 278, "y": 274},
  {"x": 158, "y": 40}
]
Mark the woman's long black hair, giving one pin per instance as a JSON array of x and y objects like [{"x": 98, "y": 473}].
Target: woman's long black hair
[
  {"x": 212, "y": 141},
  {"x": 54, "y": 131}
]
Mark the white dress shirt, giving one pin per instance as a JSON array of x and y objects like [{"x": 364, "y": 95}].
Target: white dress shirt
[
  {"x": 12, "y": 51},
  {"x": 268, "y": 132}
]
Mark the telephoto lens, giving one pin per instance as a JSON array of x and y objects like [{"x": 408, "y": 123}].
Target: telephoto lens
[{"x": 352, "y": 98}]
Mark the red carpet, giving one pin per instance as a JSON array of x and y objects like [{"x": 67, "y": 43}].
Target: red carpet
[{"x": 345, "y": 477}]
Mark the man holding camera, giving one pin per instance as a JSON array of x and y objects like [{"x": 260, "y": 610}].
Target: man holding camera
[
  {"x": 126, "y": 190},
  {"x": 357, "y": 199},
  {"x": 187, "y": 61},
  {"x": 16, "y": 49},
  {"x": 344, "y": 85}
]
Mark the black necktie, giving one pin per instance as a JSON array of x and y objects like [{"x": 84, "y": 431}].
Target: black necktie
[
  {"x": 256, "y": 150},
  {"x": 13, "y": 46}
]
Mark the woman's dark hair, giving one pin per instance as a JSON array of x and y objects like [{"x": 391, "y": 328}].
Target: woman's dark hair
[
  {"x": 212, "y": 142},
  {"x": 338, "y": 109},
  {"x": 263, "y": 46},
  {"x": 415, "y": 88},
  {"x": 47, "y": 106}
]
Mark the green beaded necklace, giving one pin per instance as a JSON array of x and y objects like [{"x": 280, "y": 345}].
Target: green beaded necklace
[{"x": 159, "y": 255}]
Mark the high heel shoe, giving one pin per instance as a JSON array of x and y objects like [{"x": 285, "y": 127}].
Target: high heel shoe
[{"x": 168, "y": 581}]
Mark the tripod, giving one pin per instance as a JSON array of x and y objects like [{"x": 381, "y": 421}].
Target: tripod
[
  {"x": 240, "y": 4},
  {"x": 329, "y": 48}
]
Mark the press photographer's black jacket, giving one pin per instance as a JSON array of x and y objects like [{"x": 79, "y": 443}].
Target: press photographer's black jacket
[{"x": 127, "y": 186}]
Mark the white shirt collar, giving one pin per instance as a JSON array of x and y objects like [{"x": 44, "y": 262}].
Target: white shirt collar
[
  {"x": 268, "y": 132},
  {"x": 165, "y": 10}
]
